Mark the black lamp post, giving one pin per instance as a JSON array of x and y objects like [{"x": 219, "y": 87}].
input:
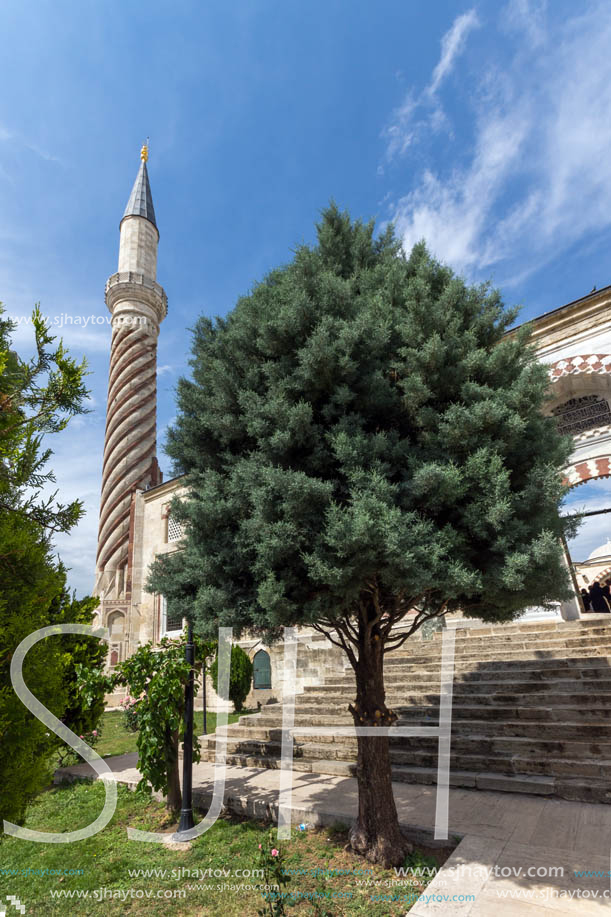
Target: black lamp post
[{"x": 186, "y": 813}]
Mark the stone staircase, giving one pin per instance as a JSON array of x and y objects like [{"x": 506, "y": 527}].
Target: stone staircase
[{"x": 531, "y": 713}]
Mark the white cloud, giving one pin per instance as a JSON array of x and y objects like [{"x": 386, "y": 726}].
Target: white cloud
[
  {"x": 452, "y": 215},
  {"x": 18, "y": 140},
  {"x": 526, "y": 17},
  {"x": 452, "y": 44},
  {"x": 405, "y": 128},
  {"x": 401, "y": 132},
  {"x": 537, "y": 178}
]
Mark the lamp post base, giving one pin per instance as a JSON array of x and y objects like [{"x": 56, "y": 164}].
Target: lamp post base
[{"x": 186, "y": 821}]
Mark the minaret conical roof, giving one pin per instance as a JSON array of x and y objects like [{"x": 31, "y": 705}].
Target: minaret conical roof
[{"x": 140, "y": 203}]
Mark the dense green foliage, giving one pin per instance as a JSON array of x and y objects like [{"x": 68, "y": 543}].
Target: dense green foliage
[
  {"x": 84, "y": 682},
  {"x": 37, "y": 397},
  {"x": 30, "y": 582},
  {"x": 362, "y": 419},
  {"x": 240, "y": 677}
]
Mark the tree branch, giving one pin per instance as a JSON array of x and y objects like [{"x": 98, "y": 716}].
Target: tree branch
[
  {"x": 394, "y": 643},
  {"x": 341, "y": 644}
]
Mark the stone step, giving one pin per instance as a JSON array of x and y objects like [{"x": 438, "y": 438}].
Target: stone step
[
  {"x": 509, "y": 653},
  {"x": 325, "y": 693},
  {"x": 542, "y": 650},
  {"x": 419, "y": 749},
  {"x": 324, "y": 758},
  {"x": 583, "y": 789},
  {"x": 527, "y": 783},
  {"x": 533, "y": 629},
  {"x": 548, "y": 767},
  {"x": 535, "y": 729},
  {"x": 509, "y": 631},
  {"x": 523, "y": 708},
  {"x": 539, "y": 753},
  {"x": 404, "y": 681},
  {"x": 409, "y": 715},
  {"x": 515, "y": 638},
  {"x": 499, "y": 640},
  {"x": 512, "y": 707},
  {"x": 592, "y": 667},
  {"x": 590, "y": 789}
]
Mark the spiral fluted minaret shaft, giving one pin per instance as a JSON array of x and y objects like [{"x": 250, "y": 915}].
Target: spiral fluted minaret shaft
[{"x": 138, "y": 305}]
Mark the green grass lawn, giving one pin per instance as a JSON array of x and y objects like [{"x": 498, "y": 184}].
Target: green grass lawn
[
  {"x": 230, "y": 845},
  {"x": 117, "y": 740}
]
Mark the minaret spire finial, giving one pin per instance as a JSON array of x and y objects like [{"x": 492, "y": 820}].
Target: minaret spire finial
[{"x": 140, "y": 201}]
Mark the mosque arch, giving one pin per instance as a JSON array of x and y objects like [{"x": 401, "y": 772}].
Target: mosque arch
[
  {"x": 588, "y": 470},
  {"x": 581, "y": 402},
  {"x": 116, "y": 622},
  {"x": 580, "y": 393}
]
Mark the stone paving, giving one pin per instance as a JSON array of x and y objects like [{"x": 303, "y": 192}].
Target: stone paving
[{"x": 509, "y": 831}]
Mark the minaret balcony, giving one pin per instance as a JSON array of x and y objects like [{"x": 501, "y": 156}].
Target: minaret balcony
[{"x": 136, "y": 287}]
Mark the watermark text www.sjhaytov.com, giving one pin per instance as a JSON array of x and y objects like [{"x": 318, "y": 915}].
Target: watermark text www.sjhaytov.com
[{"x": 65, "y": 319}]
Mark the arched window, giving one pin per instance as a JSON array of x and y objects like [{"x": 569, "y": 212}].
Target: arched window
[
  {"x": 116, "y": 622},
  {"x": 262, "y": 670}
]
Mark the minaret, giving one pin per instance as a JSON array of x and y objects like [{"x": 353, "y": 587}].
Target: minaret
[{"x": 138, "y": 305}]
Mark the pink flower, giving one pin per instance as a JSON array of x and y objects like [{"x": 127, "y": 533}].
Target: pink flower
[
  {"x": 259, "y": 846},
  {"x": 80, "y": 737},
  {"x": 275, "y": 852},
  {"x": 95, "y": 732}
]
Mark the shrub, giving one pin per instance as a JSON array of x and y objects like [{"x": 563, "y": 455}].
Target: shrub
[
  {"x": 240, "y": 677},
  {"x": 84, "y": 680}
]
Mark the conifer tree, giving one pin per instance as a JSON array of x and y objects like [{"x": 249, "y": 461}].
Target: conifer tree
[
  {"x": 364, "y": 445},
  {"x": 37, "y": 397}
]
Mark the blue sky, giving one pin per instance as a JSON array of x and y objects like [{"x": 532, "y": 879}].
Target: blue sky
[{"x": 484, "y": 128}]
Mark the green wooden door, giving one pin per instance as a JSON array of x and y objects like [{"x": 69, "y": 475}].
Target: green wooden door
[{"x": 262, "y": 670}]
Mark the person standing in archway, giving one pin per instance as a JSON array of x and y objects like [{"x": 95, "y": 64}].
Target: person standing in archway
[{"x": 599, "y": 602}]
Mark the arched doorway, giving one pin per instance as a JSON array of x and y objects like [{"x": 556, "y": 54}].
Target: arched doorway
[
  {"x": 590, "y": 549},
  {"x": 262, "y": 671},
  {"x": 581, "y": 390}
]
